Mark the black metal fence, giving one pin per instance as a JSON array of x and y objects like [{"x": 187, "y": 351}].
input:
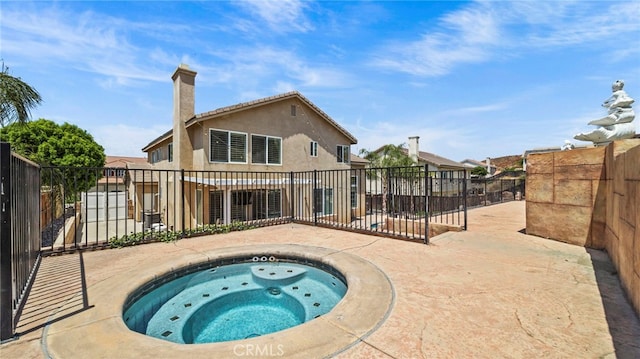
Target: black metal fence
[
  {"x": 19, "y": 235},
  {"x": 97, "y": 207},
  {"x": 484, "y": 192},
  {"x": 103, "y": 205}
]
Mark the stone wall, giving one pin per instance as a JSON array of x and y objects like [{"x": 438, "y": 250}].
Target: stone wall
[
  {"x": 622, "y": 233},
  {"x": 589, "y": 197},
  {"x": 565, "y": 196}
]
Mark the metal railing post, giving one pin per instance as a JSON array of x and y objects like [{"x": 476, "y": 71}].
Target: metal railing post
[
  {"x": 291, "y": 195},
  {"x": 182, "y": 196},
  {"x": 6, "y": 267},
  {"x": 313, "y": 198},
  {"x": 464, "y": 191},
  {"x": 426, "y": 204}
]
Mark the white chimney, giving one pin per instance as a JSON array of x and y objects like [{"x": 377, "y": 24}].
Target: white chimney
[
  {"x": 488, "y": 161},
  {"x": 414, "y": 148}
]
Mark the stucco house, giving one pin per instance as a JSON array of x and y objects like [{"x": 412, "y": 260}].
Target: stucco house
[
  {"x": 265, "y": 139},
  {"x": 450, "y": 169},
  {"x": 471, "y": 164},
  {"x": 113, "y": 173},
  {"x": 444, "y": 173},
  {"x": 107, "y": 199}
]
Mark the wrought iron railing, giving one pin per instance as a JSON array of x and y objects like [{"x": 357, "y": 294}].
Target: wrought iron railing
[
  {"x": 103, "y": 205},
  {"x": 19, "y": 235}
]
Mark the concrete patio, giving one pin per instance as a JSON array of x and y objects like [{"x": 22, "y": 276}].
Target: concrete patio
[{"x": 489, "y": 292}]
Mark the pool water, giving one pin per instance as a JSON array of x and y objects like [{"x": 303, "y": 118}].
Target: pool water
[{"x": 236, "y": 301}]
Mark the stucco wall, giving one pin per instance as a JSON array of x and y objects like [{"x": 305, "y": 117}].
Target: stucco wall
[
  {"x": 274, "y": 120},
  {"x": 589, "y": 197}
]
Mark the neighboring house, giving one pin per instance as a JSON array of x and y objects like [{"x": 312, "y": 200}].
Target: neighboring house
[
  {"x": 108, "y": 198},
  {"x": 471, "y": 164},
  {"x": 277, "y": 134},
  {"x": 448, "y": 171},
  {"x": 114, "y": 172},
  {"x": 143, "y": 184}
]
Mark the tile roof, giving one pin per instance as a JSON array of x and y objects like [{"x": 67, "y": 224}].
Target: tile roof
[
  {"x": 255, "y": 103},
  {"x": 439, "y": 161},
  {"x": 142, "y": 173},
  {"x": 122, "y": 161},
  {"x": 357, "y": 159}
]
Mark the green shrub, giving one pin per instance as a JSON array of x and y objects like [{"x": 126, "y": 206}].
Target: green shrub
[{"x": 133, "y": 239}]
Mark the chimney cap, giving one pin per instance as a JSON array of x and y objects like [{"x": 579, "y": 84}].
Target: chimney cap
[{"x": 184, "y": 69}]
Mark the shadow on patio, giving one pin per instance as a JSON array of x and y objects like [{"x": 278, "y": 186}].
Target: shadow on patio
[{"x": 59, "y": 291}]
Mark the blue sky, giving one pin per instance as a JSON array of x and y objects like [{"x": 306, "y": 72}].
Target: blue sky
[{"x": 472, "y": 79}]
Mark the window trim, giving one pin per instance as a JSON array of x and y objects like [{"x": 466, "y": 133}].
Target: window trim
[
  {"x": 323, "y": 210},
  {"x": 342, "y": 148},
  {"x": 313, "y": 149},
  {"x": 266, "y": 149},
  {"x": 170, "y": 152},
  {"x": 156, "y": 155},
  {"x": 229, "y": 132},
  {"x": 354, "y": 194}
]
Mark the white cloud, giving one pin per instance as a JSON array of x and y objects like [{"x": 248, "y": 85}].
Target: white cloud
[
  {"x": 281, "y": 16},
  {"x": 464, "y": 111},
  {"x": 125, "y": 140},
  {"x": 248, "y": 66},
  {"x": 85, "y": 41},
  {"x": 463, "y": 36},
  {"x": 483, "y": 31}
]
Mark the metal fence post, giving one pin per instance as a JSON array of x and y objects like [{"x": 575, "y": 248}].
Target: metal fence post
[
  {"x": 291, "y": 196},
  {"x": 182, "y": 198},
  {"x": 313, "y": 198},
  {"x": 464, "y": 191},
  {"x": 426, "y": 204},
  {"x": 6, "y": 267},
  {"x": 485, "y": 191}
]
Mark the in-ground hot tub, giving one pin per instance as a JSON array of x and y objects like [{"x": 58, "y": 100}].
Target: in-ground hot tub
[
  {"x": 365, "y": 306},
  {"x": 245, "y": 298}
]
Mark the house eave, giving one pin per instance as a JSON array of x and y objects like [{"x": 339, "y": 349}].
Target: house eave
[{"x": 223, "y": 111}]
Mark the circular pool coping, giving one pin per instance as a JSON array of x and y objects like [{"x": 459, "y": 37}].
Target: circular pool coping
[{"x": 365, "y": 306}]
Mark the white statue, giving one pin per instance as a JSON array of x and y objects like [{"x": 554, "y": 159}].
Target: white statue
[
  {"x": 567, "y": 146},
  {"x": 618, "y": 124}
]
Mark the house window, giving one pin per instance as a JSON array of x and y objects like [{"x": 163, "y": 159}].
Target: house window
[
  {"x": 354, "y": 191},
  {"x": 293, "y": 110},
  {"x": 314, "y": 149},
  {"x": 156, "y": 155},
  {"x": 274, "y": 204},
  {"x": 113, "y": 172},
  {"x": 267, "y": 204},
  {"x": 227, "y": 146},
  {"x": 323, "y": 201},
  {"x": 266, "y": 150},
  {"x": 170, "y": 152},
  {"x": 343, "y": 153}
]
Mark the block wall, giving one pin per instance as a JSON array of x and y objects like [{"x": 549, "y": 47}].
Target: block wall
[
  {"x": 622, "y": 233},
  {"x": 565, "y": 196},
  {"x": 589, "y": 197}
]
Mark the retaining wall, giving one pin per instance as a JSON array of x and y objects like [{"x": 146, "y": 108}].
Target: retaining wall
[{"x": 589, "y": 197}]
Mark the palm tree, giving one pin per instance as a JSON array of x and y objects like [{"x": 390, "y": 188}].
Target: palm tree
[
  {"x": 17, "y": 98},
  {"x": 387, "y": 163}
]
